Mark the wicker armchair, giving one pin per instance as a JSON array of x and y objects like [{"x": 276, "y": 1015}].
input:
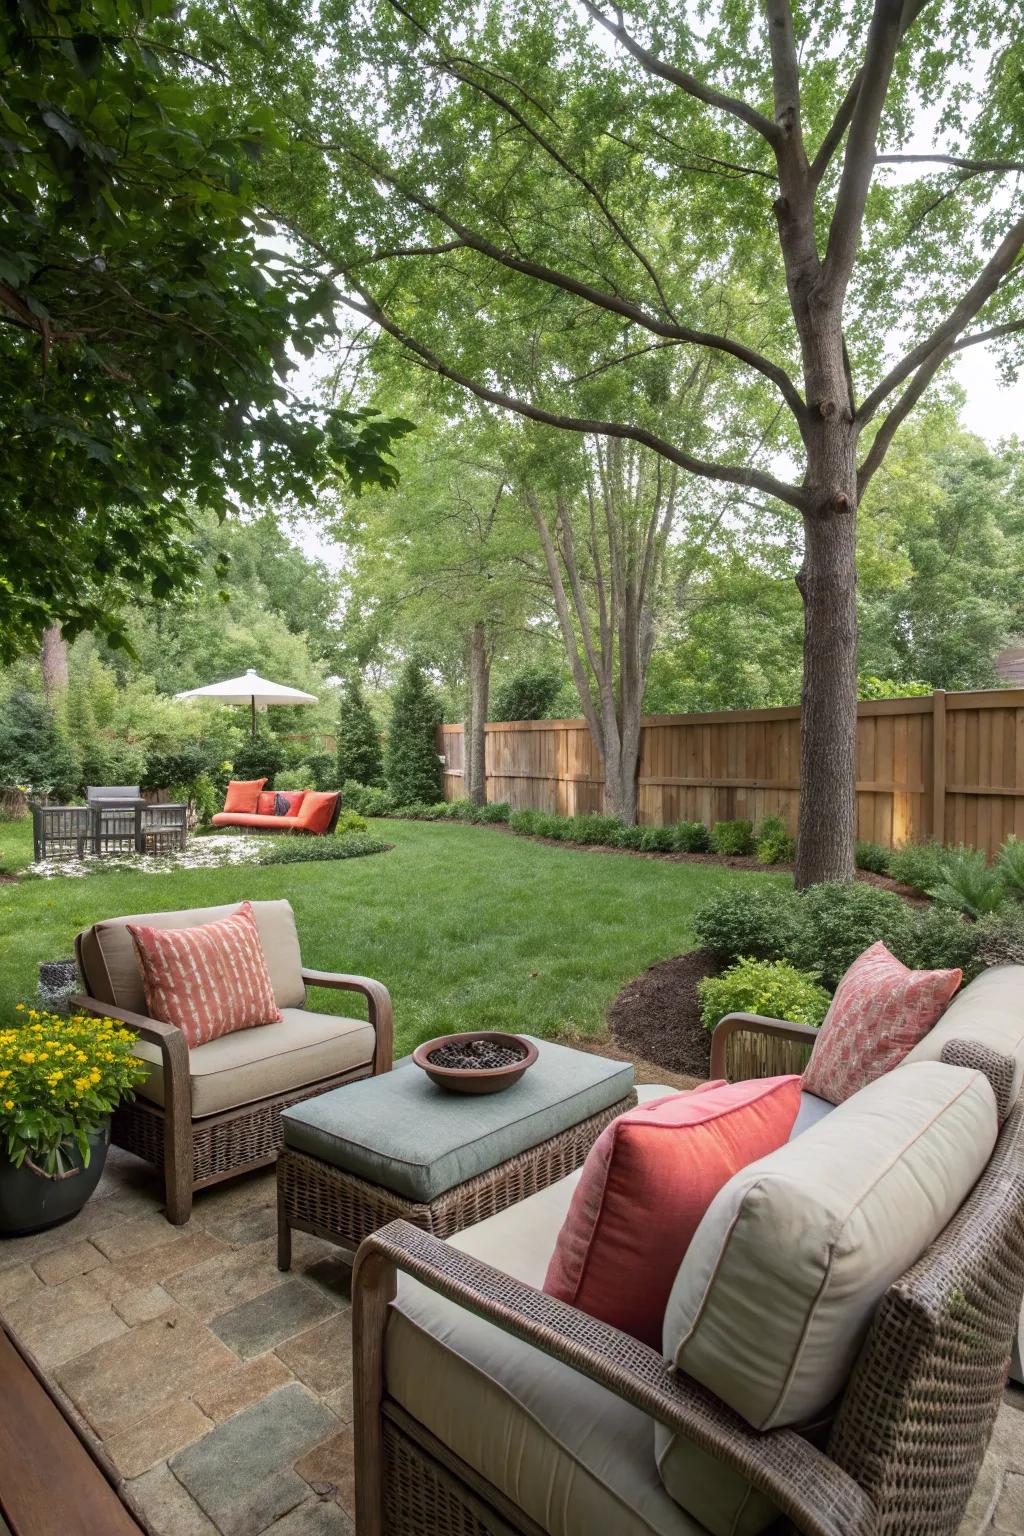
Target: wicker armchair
[
  {"x": 208, "y": 1114},
  {"x": 905, "y": 1445}
]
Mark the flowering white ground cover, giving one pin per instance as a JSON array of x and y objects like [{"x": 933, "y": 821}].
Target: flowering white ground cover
[{"x": 201, "y": 853}]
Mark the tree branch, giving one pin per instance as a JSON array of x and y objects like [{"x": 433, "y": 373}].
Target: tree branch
[
  {"x": 904, "y": 405},
  {"x": 961, "y": 164},
  {"x": 785, "y": 80},
  {"x": 686, "y": 82},
  {"x": 980, "y": 291},
  {"x": 755, "y": 479}
]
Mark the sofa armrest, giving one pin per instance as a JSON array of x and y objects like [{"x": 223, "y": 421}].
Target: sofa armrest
[
  {"x": 816, "y": 1494},
  {"x": 378, "y": 1002},
  {"x": 779, "y": 1030}
]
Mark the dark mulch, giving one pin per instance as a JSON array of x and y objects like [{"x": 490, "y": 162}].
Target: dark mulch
[{"x": 657, "y": 1015}]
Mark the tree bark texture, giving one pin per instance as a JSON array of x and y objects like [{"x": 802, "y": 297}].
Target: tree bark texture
[
  {"x": 476, "y": 737},
  {"x": 53, "y": 660}
]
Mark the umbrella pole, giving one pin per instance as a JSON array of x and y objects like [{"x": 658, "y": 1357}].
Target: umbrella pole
[{"x": 253, "y": 700}]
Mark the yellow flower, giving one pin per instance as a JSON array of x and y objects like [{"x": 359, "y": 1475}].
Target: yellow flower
[
  {"x": 28, "y": 1057},
  {"x": 8, "y": 1103},
  {"x": 19, "y": 1007}
]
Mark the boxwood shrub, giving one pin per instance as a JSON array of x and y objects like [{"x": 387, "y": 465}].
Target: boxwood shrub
[
  {"x": 770, "y": 987},
  {"x": 733, "y": 837},
  {"x": 763, "y": 922}
]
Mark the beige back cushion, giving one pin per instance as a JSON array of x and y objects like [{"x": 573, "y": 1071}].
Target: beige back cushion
[
  {"x": 777, "y": 1289},
  {"x": 110, "y": 965},
  {"x": 990, "y": 1009}
]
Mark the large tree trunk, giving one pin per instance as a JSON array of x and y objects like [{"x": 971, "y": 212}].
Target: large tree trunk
[
  {"x": 479, "y": 689},
  {"x": 53, "y": 661},
  {"x": 828, "y": 717}
]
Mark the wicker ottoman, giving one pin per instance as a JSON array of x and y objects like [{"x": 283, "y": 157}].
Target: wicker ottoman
[{"x": 395, "y": 1146}]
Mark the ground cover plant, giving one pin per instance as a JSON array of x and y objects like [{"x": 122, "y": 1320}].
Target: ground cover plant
[{"x": 468, "y": 931}]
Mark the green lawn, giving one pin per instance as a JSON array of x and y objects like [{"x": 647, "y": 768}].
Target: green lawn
[{"x": 468, "y": 926}]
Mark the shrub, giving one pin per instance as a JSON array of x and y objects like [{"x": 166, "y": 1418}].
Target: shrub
[
  {"x": 310, "y": 850},
  {"x": 1000, "y": 937},
  {"x": 419, "y": 810},
  {"x": 690, "y": 837},
  {"x": 367, "y": 799},
  {"x": 528, "y": 695},
  {"x": 629, "y": 837},
  {"x": 299, "y": 777},
  {"x": 873, "y": 857},
  {"x": 359, "y": 755},
  {"x": 918, "y": 865},
  {"x": 733, "y": 837},
  {"x": 350, "y": 821},
  {"x": 412, "y": 766},
  {"x": 658, "y": 839},
  {"x": 770, "y": 987},
  {"x": 33, "y": 751},
  {"x": 261, "y": 757},
  {"x": 760, "y": 921},
  {"x": 592, "y": 829},
  {"x": 841, "y": 921},
  {"x": 1010, "y": 864},
  {"x": 524, "y": 822},
  {"x": 497, "y": 810},
  {"x": 322, "y": 768},
  {"x": 967, "y": 883},
  {"x": 942, "y": 939},
  {"x": 775, "y": 846}
]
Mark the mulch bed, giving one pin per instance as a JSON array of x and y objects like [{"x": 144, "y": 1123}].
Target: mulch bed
[{"x": 657, "y": 1015}]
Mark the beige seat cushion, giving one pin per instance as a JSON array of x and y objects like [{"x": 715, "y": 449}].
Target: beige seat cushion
[
  {"x": 571, "y": 1455},
  {"x": 111, "y": 967},
  {"x": 777, "y": 1289},
  {"x": 271, "y": 1059},
  {"x": 989, "y": 1009}
]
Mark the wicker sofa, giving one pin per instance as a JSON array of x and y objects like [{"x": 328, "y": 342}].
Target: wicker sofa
[
  {"x": 485, "y": 1406},
  {"x": 205, "y": 1115}
]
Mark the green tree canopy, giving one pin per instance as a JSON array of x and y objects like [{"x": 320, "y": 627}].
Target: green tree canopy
[{"x": 148, "y": 318}]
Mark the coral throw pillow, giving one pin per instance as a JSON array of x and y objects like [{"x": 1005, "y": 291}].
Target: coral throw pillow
[
  {"x": 265, "y": 803},
  {"x": 645, "y": 1186},
  {"x": 209, "y": 980},
  {"x": 243, "y": 795},
  {"x": 880, "y": 1011},
  {"x": 316, "y": 811}
]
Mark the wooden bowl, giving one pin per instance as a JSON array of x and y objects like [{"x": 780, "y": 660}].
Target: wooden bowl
[{"x": 475, "y": 1079}]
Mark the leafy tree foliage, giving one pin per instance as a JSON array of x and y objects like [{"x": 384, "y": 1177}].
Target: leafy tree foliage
[
  {"x": 359, "y": 754},
  {"x": 144, "y": 328},
  {"x": 33, "y": 752},
  {"x": 527, "y": 694},
  {"x": 412, "y": 767}
]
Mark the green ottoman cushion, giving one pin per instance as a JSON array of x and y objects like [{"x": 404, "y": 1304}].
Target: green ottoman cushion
[{"x": 400, "y": 1131}]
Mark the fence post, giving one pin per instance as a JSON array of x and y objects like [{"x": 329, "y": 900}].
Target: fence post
[{"x": 939, "y": 765}]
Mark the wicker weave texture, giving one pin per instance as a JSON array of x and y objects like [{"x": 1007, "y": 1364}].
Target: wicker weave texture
[
  {"x": 421, "y": 1499},
  {"x": 316, "y": 1196},
  {"x": 919, "y": 1408}
]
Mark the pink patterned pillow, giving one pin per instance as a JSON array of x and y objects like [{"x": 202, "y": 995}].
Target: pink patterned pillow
[
  {"x": 209, "y": 980},
  {"x": 880, "y": 1011}
]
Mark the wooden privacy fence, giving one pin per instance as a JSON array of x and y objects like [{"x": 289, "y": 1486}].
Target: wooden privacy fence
[{"x": 949, "y": 766}]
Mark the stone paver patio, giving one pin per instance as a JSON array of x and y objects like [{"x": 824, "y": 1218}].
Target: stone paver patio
[{"x": 220, "y": 1388}]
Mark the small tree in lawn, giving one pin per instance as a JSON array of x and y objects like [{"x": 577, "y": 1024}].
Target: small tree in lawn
[
  {"x": 33, "y": 752},
  {"x": 359, "y": 755},
  {"x": 412, "y": 766}
]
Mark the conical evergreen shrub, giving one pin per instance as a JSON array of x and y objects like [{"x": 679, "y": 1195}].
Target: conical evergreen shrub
[
  {"x": 359, "y": 754},
  {"x": 412, "y": 766}
]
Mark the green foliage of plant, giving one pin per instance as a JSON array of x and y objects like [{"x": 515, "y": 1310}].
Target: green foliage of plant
[
  {"x": 323, "y": 772},
  {"x": 527, "y": 695},
  {"x": 359, "y": 752},
  {"x": 691, "y": 837},
  {"x": 869, "y": 687},
  {"x": 60, "y": 1077},
  {"x": 774, "y": 844},
  {"x": 773, "y": 988},
  {"x": 307, "y": 850},
  {"x": 967, "y": 883},
  {"x": 419, "y": 810},
  {"x": 33, "y": 751},
  {"x": 919, "y": 865},
  {"x": 839, "y": 921},
  {"x": 412, "y": 766},
  {"x": 658, "y": 839},
  {"x": 350, "y": 821},
  {"x": 630, "y": 837},
  {"x": 733, "y": 837},
  {"x": 942, "y": 939},
  {"x": 260, "y": 757},
  {"x": 1000, "y": 936},
  {"x": 1010, "y": 867},
  {"x": 151, "y": 380},
  {"x": 300, "y": 776},
  {"x": 367, "y": 799},
  {"x": 591, "y": 828},
  {"x": 873, "y": 857},
  {"x": 763, "y": 922}
]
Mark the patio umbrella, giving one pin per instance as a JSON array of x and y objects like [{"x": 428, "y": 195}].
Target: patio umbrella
[{"x": 251, "y": 689}]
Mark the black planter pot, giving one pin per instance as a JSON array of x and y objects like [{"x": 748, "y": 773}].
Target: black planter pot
[{"x": 31, "y": 1202}]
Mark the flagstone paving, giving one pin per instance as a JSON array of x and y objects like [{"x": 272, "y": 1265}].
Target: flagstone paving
[{"x": 221, "y": 1389}]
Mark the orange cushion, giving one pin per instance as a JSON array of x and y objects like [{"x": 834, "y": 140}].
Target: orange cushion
[
  {"x": 645, "y": 1186},
  {"x": 243, "y": 795},
  {"x": 270, "y": 823},
  {"x": 209, "y": 980},
  {"x": 264, "y": 802},
  {"x": 880, "y": 1011},
  {"x": 316, "y": 811}
]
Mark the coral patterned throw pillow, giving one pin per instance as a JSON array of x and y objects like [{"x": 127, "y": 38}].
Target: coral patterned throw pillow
[
  {"x": 208, "y": 980},
  {"x": 880, "y": 1011}
]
